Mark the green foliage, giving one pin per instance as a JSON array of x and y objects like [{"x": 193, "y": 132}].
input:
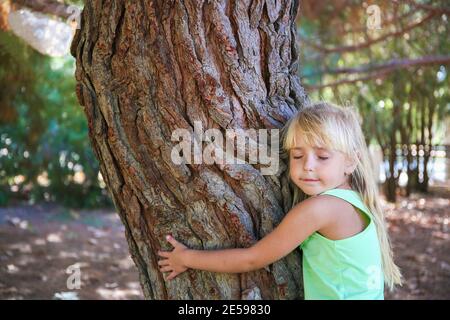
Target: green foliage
[
  {"x": 43, "y": 131},
  {"x": 400, "y": 106}
]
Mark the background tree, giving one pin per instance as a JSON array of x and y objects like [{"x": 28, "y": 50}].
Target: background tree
[
  {"x": 394, "y": 72},
  {"x": 44, "y": 151}
]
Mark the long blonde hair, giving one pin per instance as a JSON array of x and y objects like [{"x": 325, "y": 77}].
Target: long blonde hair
[{"x": 327, "y": 125}]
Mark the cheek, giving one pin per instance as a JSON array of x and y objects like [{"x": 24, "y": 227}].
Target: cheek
[
  {"x": 291, "y": 170},
  {"x": 294, "y": 169},
  {"x": 332, "y": 170}
]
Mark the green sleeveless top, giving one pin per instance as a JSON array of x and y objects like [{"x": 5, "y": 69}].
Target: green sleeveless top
[{"x": 349, "y": 268}]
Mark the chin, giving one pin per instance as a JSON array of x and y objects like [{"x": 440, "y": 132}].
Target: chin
[{"x": 311, "y": 191}]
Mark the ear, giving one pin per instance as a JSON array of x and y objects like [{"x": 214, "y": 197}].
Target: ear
[{"x": 351, "y": 164}]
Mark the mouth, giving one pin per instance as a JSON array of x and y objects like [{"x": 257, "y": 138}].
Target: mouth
[{"x": 309, "y": 180}]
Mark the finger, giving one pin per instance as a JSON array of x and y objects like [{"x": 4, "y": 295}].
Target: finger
[
  {"x": 166, "y": 269},
  {"x": 172, "y": 240},
  {"x": 163, "y": 254},
  {"x": 164, "y": 262},
  {"x": 172, "y": 275}
]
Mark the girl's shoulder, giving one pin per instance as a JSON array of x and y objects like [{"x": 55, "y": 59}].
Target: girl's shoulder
[
  {"x": 329, "y": 201},
  {"x": 346, "y": 197},
  {"x": 325, "y": 206},
  {"x": 322, "y": 201},
  {"x": 344, "y": 219}
]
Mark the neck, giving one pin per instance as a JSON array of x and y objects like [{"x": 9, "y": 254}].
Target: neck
[{"x": 344, "y": 185}]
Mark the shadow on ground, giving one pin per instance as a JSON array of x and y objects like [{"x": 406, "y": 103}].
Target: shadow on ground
[{"x": 38, "y": 243}]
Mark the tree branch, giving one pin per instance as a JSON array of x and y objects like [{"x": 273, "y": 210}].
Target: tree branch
[
  {"x": 384, "y": 24},
  {"x": 383, "y": 69},
  {"x": 370, "y": 42},
  {"x": 391, "y": 65},
  {"x": 426, "y": 7},
  {"x": 346, "y": 81},
  {"x": 46, "y": 6}
]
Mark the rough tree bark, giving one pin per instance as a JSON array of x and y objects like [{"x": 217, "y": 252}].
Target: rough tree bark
[{"x": 146, "y": 68}]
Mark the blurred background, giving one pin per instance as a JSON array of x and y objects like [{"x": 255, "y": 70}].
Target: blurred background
[{"x": 389, "y": 58}]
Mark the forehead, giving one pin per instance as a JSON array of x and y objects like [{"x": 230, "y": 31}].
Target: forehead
[
  {"x": 300, "y": 143},
  {"x": 315, "y": 148}
]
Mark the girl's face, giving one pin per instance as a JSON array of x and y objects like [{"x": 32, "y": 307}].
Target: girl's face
[{"x": 315, "y": 170}]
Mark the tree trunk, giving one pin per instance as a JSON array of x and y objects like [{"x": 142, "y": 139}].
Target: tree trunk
[
  {"x": 429, "y": 145},
  {"x": 409, "y": 158},
  {"x": 391, "y": 181},
  {"x": 146, "y": 68},
  {"x": 4, "y": 13}
]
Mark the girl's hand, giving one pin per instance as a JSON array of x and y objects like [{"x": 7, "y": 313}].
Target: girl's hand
[{"x": 173, "y": 262}]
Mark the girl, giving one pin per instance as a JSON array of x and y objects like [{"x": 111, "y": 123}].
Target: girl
[{"x": 336, "y": 216}]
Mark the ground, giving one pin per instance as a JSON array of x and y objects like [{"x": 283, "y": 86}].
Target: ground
[
  {"x": 419, "y": 231},
  {"x": 40, "y": 243}
]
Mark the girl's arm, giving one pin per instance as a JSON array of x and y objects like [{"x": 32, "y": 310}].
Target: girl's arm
[
  {"x": 299, "y": 223},
  {"x": 225, "y": 260}
]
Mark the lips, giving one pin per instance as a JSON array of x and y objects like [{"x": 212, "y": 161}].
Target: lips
[{"x": 310, "y": 180}]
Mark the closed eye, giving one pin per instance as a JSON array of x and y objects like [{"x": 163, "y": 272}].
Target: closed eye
[{"x": 299, "y": 157}]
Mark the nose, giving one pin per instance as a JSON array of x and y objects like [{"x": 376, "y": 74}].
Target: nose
[{"x": 309, "y": 163}]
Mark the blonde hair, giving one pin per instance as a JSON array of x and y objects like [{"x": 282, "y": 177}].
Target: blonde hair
[{"x": 327, "y": 125}]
